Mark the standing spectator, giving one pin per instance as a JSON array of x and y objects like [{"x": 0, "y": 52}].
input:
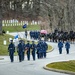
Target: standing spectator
[
  {"x": 67, "y": 46},
  {"x": 11, "y": 50},
  {"x": 60, "y": 46}
]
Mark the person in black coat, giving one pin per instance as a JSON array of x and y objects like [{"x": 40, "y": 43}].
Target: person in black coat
[
  {"x": 11, "y": 50},
  {"x": 33, "y": 47}
]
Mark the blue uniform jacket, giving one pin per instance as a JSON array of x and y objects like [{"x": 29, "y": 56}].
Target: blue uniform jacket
[
  {"x": 60, "y": 44},
  {"x": 39, "y": 47},
  {"x": 44, "y": 46},
  {"x": 11, "y": 48},
  {"x": 28, "y": 46},
  {"x": 33, "y": 47},
  {"x": 20, "y": 49},
  {"x": 67, "y": 45}
]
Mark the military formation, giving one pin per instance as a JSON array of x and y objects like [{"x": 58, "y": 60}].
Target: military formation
[
  {"x": 54, "y": 36},
  {"x": 41, "y": 47},
  {"x": 27, "y": 49}
]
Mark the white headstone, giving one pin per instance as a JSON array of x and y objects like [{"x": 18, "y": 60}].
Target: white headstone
[
  {"x": 7, "y": 32},
  {"x": 10, "y": 39},
  {"x": 6, "y": 24},
  {"x": 2, "y": 24},
  {"x": 35, "y": 23},
  {"x": 11, "y": 24},
  {"x": 4, "y": 42},
  {"x": 31, "y": 23}
]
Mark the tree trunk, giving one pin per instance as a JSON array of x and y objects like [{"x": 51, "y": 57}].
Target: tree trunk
[{"x": 0, "y": 19}]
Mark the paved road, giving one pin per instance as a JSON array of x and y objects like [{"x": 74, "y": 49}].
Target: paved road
[{"x": 35, "y": 67}]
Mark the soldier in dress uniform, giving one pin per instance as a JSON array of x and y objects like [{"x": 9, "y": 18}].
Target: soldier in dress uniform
[
  {"x": 23, "y": 54},
  {"x": 44, "y": 48},
  {"x": 33, "y": 47},
  {"x": 60, "y": 46},
  {"x": 20, "y": 51},
  {"x": 67, "y": 46},
  {"x": 11, "y": 50},
  {"x": 27, "y": 48}
]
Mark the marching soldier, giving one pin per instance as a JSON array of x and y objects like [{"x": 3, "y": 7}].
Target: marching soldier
[
  {"x": 60, "y": 46},
  {"x": 44, "y": 48},
  {"x": 39, "y": 50},
  {"x": 33, "y": 47},
  {"x": 23, "y": 54},
  {"x": 20, "y": 51},
  {"x": 11, "y": 50},
  {"x": 27, "y": 48},
  {"x": 67, "y": 46}
]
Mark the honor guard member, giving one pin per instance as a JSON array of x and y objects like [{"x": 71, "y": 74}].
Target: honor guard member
[
  {"x": 67, "y": 46},
  {"x": 60, "y": 46},
  {"x": 39, "y": 50},
  {"x": 23, "y": 45},
  {"x": 27, "y": 48},
  {"x": 20, "y": 51},
  {"x": 44, "y": 48},
  {"x": 26, "y": 33},
  {"x": 33, "y": 47},
  {"x": 11, "y": 50}
]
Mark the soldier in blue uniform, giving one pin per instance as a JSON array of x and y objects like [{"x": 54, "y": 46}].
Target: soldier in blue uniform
[
  {"x": 60, "y": 46},
  {"x": 23, "y": 45},
  {"x": 67, "y": 46},
  {"x": 27, "y": 48},
  {"x": 11, "y": 50},
  {"x": 33, "y": 47},
  {"x": 39, "y": 50},
  {"x": 20, "y": 50},
  {"x": 26, "y": 33},
  {"x": 44, "y": 48}
]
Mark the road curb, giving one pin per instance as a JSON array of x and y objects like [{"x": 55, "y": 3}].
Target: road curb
[
  {"x": 50, "y": 50},
  {"x": 60, "y": 71},
  {"x": 1, "y": 58}
]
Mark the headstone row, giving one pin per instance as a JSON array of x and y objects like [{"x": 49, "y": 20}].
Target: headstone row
[{"x": 17, "y": 23}]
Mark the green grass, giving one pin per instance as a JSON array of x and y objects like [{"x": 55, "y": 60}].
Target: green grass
[
  {"x": 66, "y": 65},
  {"x": 19, "y": 28},
  {"x": 4, "y": 48}
]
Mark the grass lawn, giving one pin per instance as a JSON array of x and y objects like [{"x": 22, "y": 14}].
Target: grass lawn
[
  {"x": 19, "y": 28},
  {"x": 4, "y": 48},
  {"x": 66, "y": 65}
]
